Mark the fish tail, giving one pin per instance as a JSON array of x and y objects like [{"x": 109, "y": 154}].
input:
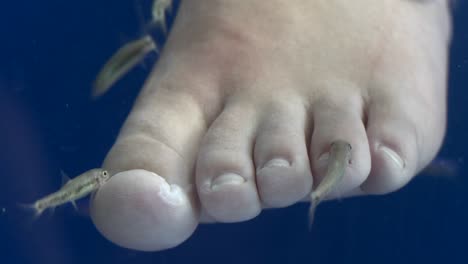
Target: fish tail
[
  {"x": 311, "y": 217},
  {"x": 32, "y": 209},
  {"x": 314, "y": 201}
]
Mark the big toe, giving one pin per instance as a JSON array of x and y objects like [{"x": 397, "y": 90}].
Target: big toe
[
  {"x": 152, "y": 204},
  {"x": 405, "y": 127},
  {"x": 402, "y": 142},
  {"x": 140, "y": 210}
]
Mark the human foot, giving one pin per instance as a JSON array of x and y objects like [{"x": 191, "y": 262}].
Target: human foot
[{"x": 242, "y": 107}]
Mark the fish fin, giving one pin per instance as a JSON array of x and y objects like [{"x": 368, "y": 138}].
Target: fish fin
[
  {"x": 74, "y": 205},
  {"x": 65, "y": 178},
  {"x": 51, "y": 210}
]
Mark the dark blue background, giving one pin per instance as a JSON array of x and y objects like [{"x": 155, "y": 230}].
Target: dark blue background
[{"x": 51, "y": 50}]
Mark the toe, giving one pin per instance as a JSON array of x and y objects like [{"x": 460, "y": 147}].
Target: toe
[
  {"x": 404, "y": 136},
  {"x": 225, "y": 170},
  {"x": 283, "y": 169},
  {"x": 161, "y": 136},
  {"x": 407, "y": 107},
  {"x": 339, "y": 117},
  {"x": 133, "y": 206}
]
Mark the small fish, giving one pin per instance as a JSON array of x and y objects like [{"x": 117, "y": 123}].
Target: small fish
[
  {"x": 160, "y": 7},
  {"x": 72, "y": 190},
  {"x": 122, "y": 62},
  {"x": 340, "y": 156}
]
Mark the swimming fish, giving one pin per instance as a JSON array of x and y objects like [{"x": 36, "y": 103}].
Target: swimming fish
[
  {"x": 131, "y": 53},
  {"x": 159, "y": 9},
  {"x": 72, "y": 190},
  {"x": 340, "y": 156},
  {"x": 122, "y": 62}
]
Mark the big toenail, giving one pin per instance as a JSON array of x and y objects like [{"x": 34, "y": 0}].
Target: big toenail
[
  {"x": 172, "y": 194},
  {"x": 393, "y": 156},
  {"x": 277, "y": 162},
  {"x": 227, "y": 179}
]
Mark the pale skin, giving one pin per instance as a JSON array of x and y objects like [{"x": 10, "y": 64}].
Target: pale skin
[{"x": 242, "y": 107}]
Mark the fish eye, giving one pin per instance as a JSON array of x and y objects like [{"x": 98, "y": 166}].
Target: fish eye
[{"x": 105, "y": 174}]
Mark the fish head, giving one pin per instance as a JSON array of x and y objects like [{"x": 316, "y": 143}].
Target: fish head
[
  {"x": 103, "y": 176},
  {"x": 100, "y": 176}
]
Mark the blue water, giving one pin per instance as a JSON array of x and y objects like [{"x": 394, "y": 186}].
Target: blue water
[{"x": 50, "y": 51}]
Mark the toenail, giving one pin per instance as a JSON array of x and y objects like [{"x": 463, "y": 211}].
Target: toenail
[
  {"x": 324, "y": 157},
  {"x": 172, "y": 194},
  {"x": 227, "y": 179},
  {"x": 277, "y": 162},
  {"x": 393, "y": 156}
]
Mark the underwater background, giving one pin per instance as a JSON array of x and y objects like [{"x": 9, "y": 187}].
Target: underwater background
[{"x": 50, "y": 53}]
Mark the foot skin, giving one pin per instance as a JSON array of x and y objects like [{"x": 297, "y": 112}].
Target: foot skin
[{"x": 247, "y": 97}]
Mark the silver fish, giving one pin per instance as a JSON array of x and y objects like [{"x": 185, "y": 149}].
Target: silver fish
[
  {"x": 160, "y": 7},
  {"x": 340, "y": 155},
  {"x": 131, "y": 53},
  {"x": 122, "y": 62},
  {"x": 72, "y": 190}
]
